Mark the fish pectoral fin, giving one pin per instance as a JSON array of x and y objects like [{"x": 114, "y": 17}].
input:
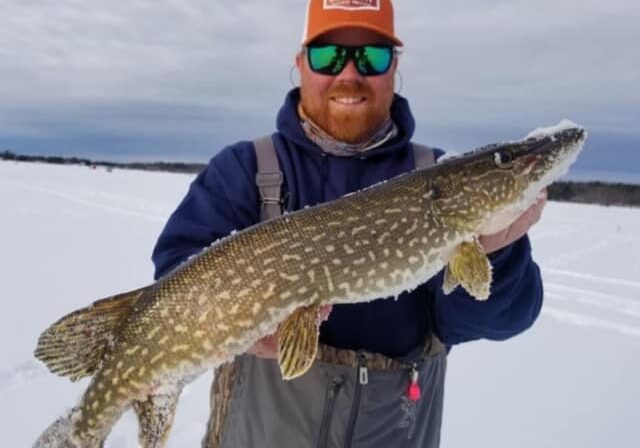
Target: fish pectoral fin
[
  {"x": 74, "y": 345},
  {"x": 451, "y": 282},
  {"x": 298, "y": 341},
  {"x": 155, "y": 418},
  {"x": 470, "y": 268}
]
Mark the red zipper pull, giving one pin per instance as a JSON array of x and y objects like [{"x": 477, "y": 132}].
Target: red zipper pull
[{"x": 414, "y": 391}]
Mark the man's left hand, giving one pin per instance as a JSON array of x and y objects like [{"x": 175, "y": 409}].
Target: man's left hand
[{"x": 517, "y": 229}]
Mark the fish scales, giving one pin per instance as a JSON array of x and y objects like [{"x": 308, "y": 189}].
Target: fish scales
[
  {"x": 366, "y": 271},
  {"x": 376, "y": 243}
]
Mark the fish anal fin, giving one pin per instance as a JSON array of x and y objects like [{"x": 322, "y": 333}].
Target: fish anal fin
[
  {"x": 155, "y": 418},
  {"x": 470, "y": 268},
  {"x": 298, "y": 342},
  {"x": 74, "y": 345}
]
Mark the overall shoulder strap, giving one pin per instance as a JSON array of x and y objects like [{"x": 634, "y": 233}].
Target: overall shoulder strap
[
  {"x": 269, "y": 178},
  {"x": 423, "y": 156}
]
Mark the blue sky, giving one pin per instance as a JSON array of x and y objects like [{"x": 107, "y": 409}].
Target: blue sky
[{"x": 180, "y": 79}]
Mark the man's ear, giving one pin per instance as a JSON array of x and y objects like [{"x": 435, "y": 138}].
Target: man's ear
[{"x": 299, "y": 60}]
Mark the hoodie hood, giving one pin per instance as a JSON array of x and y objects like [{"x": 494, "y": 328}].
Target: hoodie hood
[{"x": 288, "y": 124}]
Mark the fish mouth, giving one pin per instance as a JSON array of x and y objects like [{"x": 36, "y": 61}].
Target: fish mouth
[
  {"x": 560, "y": 148},
  {"x": 550, "y": 158},
  {"x": 553, "y": 152},
  {"x": 564, "y": 138}
]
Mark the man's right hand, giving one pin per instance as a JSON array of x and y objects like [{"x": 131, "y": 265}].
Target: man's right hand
[{"x": 267, "y": 347}]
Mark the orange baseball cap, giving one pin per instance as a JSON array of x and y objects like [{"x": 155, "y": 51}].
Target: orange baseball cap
[{"x": 327, "y": 15}]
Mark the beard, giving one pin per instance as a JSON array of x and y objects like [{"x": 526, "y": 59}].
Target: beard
[{"x": 345, "y": 125}]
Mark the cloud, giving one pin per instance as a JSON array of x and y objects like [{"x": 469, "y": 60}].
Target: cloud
[
  {"x": 218, "y": 68},
  {"x": 183, "y": 51},
  {"x": 500, "y": 60}
]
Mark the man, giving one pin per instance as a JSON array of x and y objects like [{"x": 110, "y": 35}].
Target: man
[{"x": 378, "y": 379}]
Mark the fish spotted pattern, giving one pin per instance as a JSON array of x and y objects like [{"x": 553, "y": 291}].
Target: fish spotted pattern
[{"x": 142, "y": 347}]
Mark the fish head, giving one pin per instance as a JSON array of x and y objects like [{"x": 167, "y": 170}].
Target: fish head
[{"x": 486, "y": 190}]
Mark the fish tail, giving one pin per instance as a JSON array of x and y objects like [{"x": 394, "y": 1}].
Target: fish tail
[{"x": 75, "y": 345}]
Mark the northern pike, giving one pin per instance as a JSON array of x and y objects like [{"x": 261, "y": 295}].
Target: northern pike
[{"x": 142, "y": 347}]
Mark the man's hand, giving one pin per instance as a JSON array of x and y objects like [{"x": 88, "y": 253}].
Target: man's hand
[
  {"x": 517, "y": 229},
  {"x": 267, "y": 347}
]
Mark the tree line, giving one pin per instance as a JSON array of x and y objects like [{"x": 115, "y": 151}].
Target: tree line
[
  {"x": 604, "y": 193},
  {"x": 173, "y": 167}
]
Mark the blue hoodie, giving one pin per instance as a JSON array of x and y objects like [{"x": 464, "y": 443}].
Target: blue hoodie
[{"x": 224, "y": 198}]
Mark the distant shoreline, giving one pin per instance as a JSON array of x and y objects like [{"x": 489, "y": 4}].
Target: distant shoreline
[
  {"x": 172, "y": 167},
  {"x": 584, "y": 192}
]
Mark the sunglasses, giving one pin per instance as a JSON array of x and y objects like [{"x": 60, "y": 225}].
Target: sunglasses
[{"x": 331, "y": 59}]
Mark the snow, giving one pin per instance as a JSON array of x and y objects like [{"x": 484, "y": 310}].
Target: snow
[
  {"x": 71, "y": 235},
  {"x": 563, "y": 125}
]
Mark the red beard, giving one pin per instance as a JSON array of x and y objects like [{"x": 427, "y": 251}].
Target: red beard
[{"x": 343, "y": 124}]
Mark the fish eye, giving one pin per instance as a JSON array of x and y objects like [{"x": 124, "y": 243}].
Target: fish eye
[{"x": 503, "y": 159}]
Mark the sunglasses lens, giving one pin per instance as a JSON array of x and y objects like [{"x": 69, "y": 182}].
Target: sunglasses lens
[
  {"x": 371, "y": 60},
  {"x": 374, "y": 60},
  {"x": 327, "y": 59}
]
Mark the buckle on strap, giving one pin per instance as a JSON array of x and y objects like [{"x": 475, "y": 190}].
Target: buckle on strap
[
  {"x": 266, "y": 200},
  {"x": 269, "y": 185}
]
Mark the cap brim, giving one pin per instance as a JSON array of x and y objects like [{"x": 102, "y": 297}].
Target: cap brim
[{"x": 390, "y": 37}]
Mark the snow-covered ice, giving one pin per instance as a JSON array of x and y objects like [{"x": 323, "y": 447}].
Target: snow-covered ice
[{"x": 70, "y": 235}]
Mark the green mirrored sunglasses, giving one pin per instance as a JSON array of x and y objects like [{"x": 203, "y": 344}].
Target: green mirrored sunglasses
[{"x": 331, "y": 59}]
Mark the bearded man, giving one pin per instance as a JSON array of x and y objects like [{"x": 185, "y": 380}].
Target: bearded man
[{"x": 379, "y": 374}]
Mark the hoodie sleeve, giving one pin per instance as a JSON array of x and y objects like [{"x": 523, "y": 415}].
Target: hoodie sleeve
[
  {"x": 513, "y": 306},
  {"x": 221, "y": 199}
]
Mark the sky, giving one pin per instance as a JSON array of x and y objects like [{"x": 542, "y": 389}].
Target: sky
[{"x": 179, "y": 80}]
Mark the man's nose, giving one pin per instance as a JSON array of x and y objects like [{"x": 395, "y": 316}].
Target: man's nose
[{"x": 349, "y": 73}]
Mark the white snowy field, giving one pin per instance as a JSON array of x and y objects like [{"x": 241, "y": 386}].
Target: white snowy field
[{"x": 71, "y": 235}]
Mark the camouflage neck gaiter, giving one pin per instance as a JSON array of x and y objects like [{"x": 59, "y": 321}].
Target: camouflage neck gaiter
[{"x": 328, "y": 144}]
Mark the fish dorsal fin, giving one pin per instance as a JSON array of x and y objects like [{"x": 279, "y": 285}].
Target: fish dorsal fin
[
  {"x": 74, "y": 345},
  {"x": 470, "y": 268},
  {"x": 298, "y": 342}
]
